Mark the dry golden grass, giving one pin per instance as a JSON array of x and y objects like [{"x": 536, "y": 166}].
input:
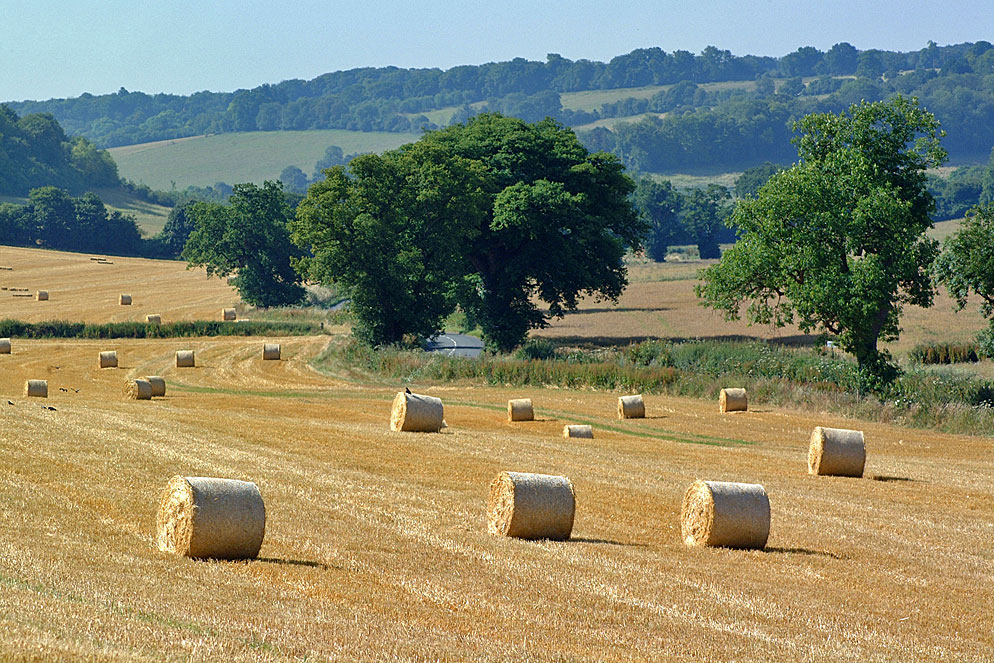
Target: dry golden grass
[
  {"x": 376, "y": 545},
  {"x": 81, "y": 290}
]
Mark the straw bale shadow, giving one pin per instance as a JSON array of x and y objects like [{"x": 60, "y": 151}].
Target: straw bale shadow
[
  {"x": 609, "y": 542},
  {"x": 803, "y": 551},
  {"x": 889, "y": 479},
  {"x": 294, "y": 562}
]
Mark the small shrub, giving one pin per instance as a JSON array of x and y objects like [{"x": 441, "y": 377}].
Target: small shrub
[{"x": 536, "y": 348}]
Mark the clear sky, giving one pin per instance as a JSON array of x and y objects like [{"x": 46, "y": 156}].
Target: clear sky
[{"x": 62, "y": 48}]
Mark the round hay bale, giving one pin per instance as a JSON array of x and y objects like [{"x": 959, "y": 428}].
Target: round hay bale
[
  {"x": 125, "y": 300},
  {"x": 154, "y": 318},
  {"x": 228, "y": 314},
  {"x": 733, "y": 400},
  {"x": 41, "y": 296},
  {"x": 271, "y": 352},
  {"x": 4, "y": 346},
  {"x": 185, "y": 359},
  {"x": 36, "y": 388},
  {"x": 138, "y": 390},
  {"x": 578, "y": 430},
  {"x": 836, "y": 452},
  {"x": 531, "y": 506},
  {"x": 631, "y": 407},
  {"x": 108, "y": 359},
  {"x": 520, "y": 409},
  {"x": 158, "y": 384},
  {"x": 211, "y": 518},
  {"x": 721, "y": 513},
  {"x": 416, "y": 413}
]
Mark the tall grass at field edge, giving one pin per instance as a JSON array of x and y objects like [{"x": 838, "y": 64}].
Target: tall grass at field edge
[{"x": 66, "y": 329}]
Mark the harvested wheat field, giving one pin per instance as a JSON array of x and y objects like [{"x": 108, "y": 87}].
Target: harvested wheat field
[
  {"x": 376, "y": 543},
  {"x": 84, "y": 290}
]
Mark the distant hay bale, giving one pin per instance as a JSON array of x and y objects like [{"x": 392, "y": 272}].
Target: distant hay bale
[
  {"x": 185, "y": 359},
  {"x": 733, "y": 400},
  {"x": 721, "y": 513},
  {"x": 531, "y": 506},
  {"x": 836, "y": 452},
  {"x": 228, "y": 314},
  {"x": 4, "y": 346},
  {"x": 36, "y": 388},
  {"x": 271, "y": 352},
  {"x": 7, "y": 269},
  {"x": 96, "y": 258},
  {"x": 41, "y": 296},
  {"x": 108, "y": 359},
  {"x": 631, "y": 407},
  {"x": 125, "y": 300},
  {"x": 211, "y": 518},
  {"x": 578, "y": 430},
  {"x": 520, "y": 409},
  {"x": 158, "y": 384},
  {"x": 20, "y": 295},
  {"x": 153, "y": 318},
  {"x": 138, "y": 390},
  {"x": 416, "y": 413}
]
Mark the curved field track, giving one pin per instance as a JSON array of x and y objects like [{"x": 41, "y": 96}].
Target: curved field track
[
  {"x": 376, "y": 545},
  {"x": 82, "y": 290}
]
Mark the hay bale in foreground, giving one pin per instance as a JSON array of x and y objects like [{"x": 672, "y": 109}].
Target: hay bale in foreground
[
  {"x": 578, "y": 430},
  {"x": 125, "y": 300},
  {"x": 185, "y": 359},
  {"x": 158, "y": 384},
  {"x": 722, "y": 513},
  {"x": 416, "y": 413},
  {"x": 271, "y": 352},
  {"x": 531, "y": 506},
  {"x": 138, "y": 390},
  {"x": 631, "y": 407},
  {"x": 36, "y": 388},
  {"x": 836, "y": 452},
  {"x": 4, "y": 346},
  {"x": 108, "y": 359},
  {"x": 154, "y": 318},
  {"x": 520, "y": 409},
  {"x": 733, "y": 400},
  {"x": 212, "y": 518},
  {"x": 41, "y": 296},
  {"x": 228, "y": 314}
]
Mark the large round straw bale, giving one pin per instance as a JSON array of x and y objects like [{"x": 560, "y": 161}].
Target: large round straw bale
[
  {"x": 578, "y": 430},
  {"x": 153, "y": 318},
  {"x": 213, "y": 518},
  {"x": 125, "y": 300},
  {"x": 721, "y": 513},
  {"x": 271, "y": 351},
  {"x": 631, "y": 407},
  {"x": 138, "y": 390},
  {"x": 520, "y": 409},
  {"x": 185, "y": 359},
  {"x": 108, "y": 359},
  {"x": 836, "y": 452},
  {"x": 41, "y": 296},
  {"x": 531, "y": 506},
  {"x": 36, "y": 388},
  {"x": 228, "y": 314},
  {"x": 158, "y": 384},
  {"x": 733, "y": 400},
  {"x": 416, "y": 413},
  {"x": 4, "y": 346}
]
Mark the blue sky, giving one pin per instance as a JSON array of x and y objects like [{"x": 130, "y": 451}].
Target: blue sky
[{"x": 63, "y": 48}]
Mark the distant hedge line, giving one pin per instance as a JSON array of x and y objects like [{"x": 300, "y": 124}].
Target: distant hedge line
[{"x": 66, "y": 329}]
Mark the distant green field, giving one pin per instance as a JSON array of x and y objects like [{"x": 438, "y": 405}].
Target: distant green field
[
  {"x": 593, "y": 99},
  {"x": 610, "y": 122},
  {"x": 240, "y": 157},
  {"x": 150, "y": 217}
]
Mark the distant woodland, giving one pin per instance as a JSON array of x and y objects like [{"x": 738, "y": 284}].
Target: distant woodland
[{"x": 702, "y": 126}]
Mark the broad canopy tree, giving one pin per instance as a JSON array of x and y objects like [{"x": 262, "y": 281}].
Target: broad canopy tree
[
  {"x": 837, "y": 242},
  {"x": 491, "y": 214},
  {"x": 966, "y": 266}
]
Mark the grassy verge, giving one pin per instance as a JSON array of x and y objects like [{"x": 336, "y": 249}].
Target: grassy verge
[
  {"x": 933, "y": 398},
  {"x": 66, "y": 329}
]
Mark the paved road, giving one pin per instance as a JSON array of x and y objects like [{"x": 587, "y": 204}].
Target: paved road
[{"x": 456, "y": 345}]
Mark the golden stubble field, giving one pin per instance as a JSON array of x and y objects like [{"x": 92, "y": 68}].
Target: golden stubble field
[{"x": 376, "y": 544}]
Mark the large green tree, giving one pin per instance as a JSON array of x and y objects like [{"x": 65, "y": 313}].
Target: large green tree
[
  {"x": 658, "y": 204},
  {"x": 966, "y": 266},
  {"x": 703, "y": 216},
  {"x": 837, "y": 242},
  {"x": 248, "y": 237}
]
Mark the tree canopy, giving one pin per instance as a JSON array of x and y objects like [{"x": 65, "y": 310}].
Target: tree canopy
[
  {"x": 966, "y": 265},
  {"x": 837, "y": 242}
]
